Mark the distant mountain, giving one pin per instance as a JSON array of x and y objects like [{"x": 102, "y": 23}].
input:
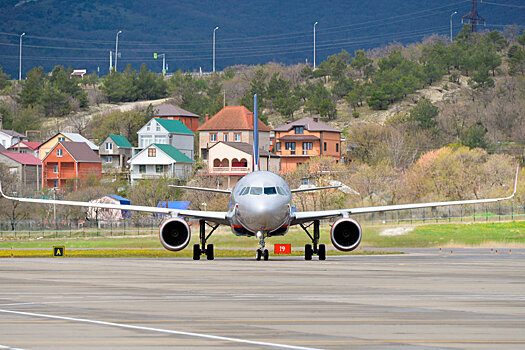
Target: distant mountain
[{"x": 81, "y": 33}]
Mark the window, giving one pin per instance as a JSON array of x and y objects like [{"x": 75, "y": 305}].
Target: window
[
  {"x": 213, "y": 137},
  {"x": 23, "y": 151},
  {"x": 244, "y": 191},
  {"x": 109, "y": 159},
  {"x": 225, "y": 137},
  {"x": 278, "y": 147},
  {"x": 152, "y": 152},
  {"x": 55, "y": 169},
  {"x": 59, "y": 152},
  {"x": 162, "y": 139},
  {"x": 308, "y": 145},
  {"x": 237, "y": 137},
  {"x": 148, "y": 126},
  {"x": 55, "y": 184},
  {"x": 142, "y": 169},
  {"x": 61, "y": 139},
  {"x": 158, "y": 127},
  {"x": 324, "y": 146},
  {"x": 270, "y": 190},
  {"x": 109, "y": 146},
  {"x": 159, "y": 169},
  {"x": 299, "y": 130},
  {"x": 256, "y": 190},
  {"x": 280, "y": 190},
  {"x": 290, "y": 146},
  {"x": 337, "y": 147},
  {"x": 145, "y": 141}
]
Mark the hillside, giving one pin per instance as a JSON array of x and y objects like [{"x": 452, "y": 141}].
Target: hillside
[{"x": 81, "y": 33}]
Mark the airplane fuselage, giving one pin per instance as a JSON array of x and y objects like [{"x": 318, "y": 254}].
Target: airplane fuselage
[{"x": 260, "y": 202}]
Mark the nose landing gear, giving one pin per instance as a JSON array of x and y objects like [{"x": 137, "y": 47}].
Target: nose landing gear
[{"x": 261, "y": 252}]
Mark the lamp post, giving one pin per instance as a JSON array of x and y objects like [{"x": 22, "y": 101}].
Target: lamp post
[
  {"x": 20, "y": 62},
  {"x": 451, "y": 24},
  {"x": 116, "y": 49},
  {"x": 214, "y": 48},
  {"x": 314, "y": 43}
]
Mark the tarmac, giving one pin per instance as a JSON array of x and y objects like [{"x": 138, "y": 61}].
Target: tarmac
[{"x": 425, "y": 299}]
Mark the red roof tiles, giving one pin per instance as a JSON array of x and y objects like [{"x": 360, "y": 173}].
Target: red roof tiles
[
  {"x": 23, "y": 158},
  {"x": 232, "y": 118}
]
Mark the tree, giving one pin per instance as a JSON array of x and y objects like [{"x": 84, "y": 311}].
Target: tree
[
  {"x": 342, "y": 87},
  {"x": 361, "y": 62},
  {"x": 424, "y": 114},
  {"x": 4, "y": 79},
  {"x": 320, "y": 95},
  {"x": 474, "y": 136},
  {"x": 54, "y": 102},
  {"x": 13, "y": 211},
  {"x": 33, "y": 87},
  {"x": 257, "y": 86}
]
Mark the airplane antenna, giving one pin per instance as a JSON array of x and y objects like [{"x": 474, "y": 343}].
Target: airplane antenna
[{"x": 255, "y": 135}]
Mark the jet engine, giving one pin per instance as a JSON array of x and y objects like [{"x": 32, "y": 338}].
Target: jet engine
[
  {"x": 346, "y": 234},
  {"x": 174, "y": 234}
]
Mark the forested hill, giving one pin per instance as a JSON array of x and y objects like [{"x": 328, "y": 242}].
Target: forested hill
[{"x": 81, "y": 33}]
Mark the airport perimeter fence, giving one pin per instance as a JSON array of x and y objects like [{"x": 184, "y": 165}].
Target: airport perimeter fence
[{"x": 149, "y": 225}]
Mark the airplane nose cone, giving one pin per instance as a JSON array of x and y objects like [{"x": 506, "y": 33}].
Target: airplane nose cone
[{"x": 262, "y": 215}]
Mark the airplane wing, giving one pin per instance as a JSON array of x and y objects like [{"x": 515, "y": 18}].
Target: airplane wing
[
  {"x": 211, "y": 216},
  {"x": 306, "y": 216},
  {"x": 216, "y": 190},
  {"x": 296, "y": 190}
]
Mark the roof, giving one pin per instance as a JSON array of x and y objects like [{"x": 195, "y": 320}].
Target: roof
[
  {"x": 299, "y": 138},
  {"x": 80, "y": 152},
  {"x": 13, "y": 133},
  {"x": 31, "y": 145},
  {"x": 174, "y": 153},
  {"x": 120, "y": 141},
  {"x": 244, "y": 147},
  {"x": 174, "y": 126},
  {"x": 232, "y": 118},
  {"x": 23, "y": 158},
  {"x": 174, "y": 204},
  {"x": 79, "y": 138},
  {"x": 308, "y": 123},
  {"x": 122, "y": 200},
  {"x": 169, "y": 110},
  {"x": 2, "y": 148}
]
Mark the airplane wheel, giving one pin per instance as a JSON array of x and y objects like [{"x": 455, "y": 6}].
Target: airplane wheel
[
  {"x": 209, "y": 252},
  {"x": 258, "y": 254},
  {"x": 265, "y": 254},
  {"x": 196, "y": 252},
  {"x": 322, "y": 252},
  {"x": 308, "y": 252}
]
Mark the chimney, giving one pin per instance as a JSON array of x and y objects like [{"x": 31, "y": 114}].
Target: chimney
[
  {"x": 207, "y": 116},
  {"x": 316, "y": 119}
]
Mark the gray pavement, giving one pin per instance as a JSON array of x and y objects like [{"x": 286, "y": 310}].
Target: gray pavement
[{"x": 426, "y": 299}]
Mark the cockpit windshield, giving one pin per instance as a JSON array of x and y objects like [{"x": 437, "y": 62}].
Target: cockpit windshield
[
  {"x": 270, "y": 190},
  {"x": 256, "y": 190},
  {"x": 244, "y": 191},
  {"x": 281, "y": 191}
]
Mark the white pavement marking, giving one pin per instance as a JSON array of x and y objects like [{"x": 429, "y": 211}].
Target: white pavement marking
[
  {"x": 160, "y": 330},
  {"x": 9, "y": 348}
]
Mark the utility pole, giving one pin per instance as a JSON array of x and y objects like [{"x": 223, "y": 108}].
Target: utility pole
[
  {"x": 110, "y": 61},
  {"x": 20, "y": 63},
  {"x": 116, "y": 49},
  {"x": 314, "y": 43},
  {"x": 214, "y": 48},
  {"x": 473, "y": 16},
  {"x": 455, "y": 12}
]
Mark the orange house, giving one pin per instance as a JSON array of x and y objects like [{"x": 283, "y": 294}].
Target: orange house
[
  {"x": 298, "y": 141},
  {"x": 69, "y": 161},
  {"x": 169, "y": 111}
]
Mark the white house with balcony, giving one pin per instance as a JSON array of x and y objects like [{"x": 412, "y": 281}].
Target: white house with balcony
[
  {"x": 167, "y": 132},
  {"x": 158, "y": 160},
  {"x": 235, "y": 159}
]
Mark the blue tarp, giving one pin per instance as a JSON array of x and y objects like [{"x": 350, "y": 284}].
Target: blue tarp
[
  {"x": 174, "y": 204},
  {"x": 123, "y": 201}
]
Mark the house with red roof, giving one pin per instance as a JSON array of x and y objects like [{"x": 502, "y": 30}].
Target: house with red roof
[
  {"x": 25, "y": 147},
  {"x": 27, "y": 168},
  {"x": 298, "y": 141},
  {"x": 169, "y": 111},
  {"x": 69, "y": 161},
  {"x": 231, "y": 124}
]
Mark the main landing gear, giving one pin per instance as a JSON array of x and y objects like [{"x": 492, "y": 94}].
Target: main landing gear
[
  {"x": 261, "y": 252},
  {"x": 319, "y": 249},
  {"x": 202, "y": 249}
]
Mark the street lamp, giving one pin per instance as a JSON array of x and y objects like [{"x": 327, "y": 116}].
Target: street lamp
[
  {"x": 214, "y": 48},
  {"x": 314, "y": 43},
  {"x": 116, "y": 50},
  {"x": 20, "y": 63},
  {"x": 455, "y": 12}
]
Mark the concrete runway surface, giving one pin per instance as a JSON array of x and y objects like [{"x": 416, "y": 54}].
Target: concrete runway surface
[{"x": 426, "y": 299}]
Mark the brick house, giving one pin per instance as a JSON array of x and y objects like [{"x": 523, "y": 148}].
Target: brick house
[
  {"x": 115, "y": 151},
  {"x": 169, "y": 111},
  {"x": 27, "y": 168},
  {"x": 231, "y": 124},
  {"x": 69, "y": 161},
  {"x": 298, "y": 141}
]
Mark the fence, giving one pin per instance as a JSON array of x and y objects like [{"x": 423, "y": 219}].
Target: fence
[{"x": 142, "y": 225}]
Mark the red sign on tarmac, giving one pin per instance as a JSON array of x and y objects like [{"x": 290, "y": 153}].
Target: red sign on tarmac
[{"x": 283, "y": 249}]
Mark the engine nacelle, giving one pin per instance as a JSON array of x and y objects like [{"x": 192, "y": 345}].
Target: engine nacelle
[
  {"x": 174, "y": 234},
  {"x": 346, "y": 234}
]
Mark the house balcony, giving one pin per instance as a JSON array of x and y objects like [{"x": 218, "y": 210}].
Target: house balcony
[{"x": 230, "y": 170}]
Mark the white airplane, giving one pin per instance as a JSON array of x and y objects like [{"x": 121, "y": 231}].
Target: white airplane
[{"x": 260, "y": 206}]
